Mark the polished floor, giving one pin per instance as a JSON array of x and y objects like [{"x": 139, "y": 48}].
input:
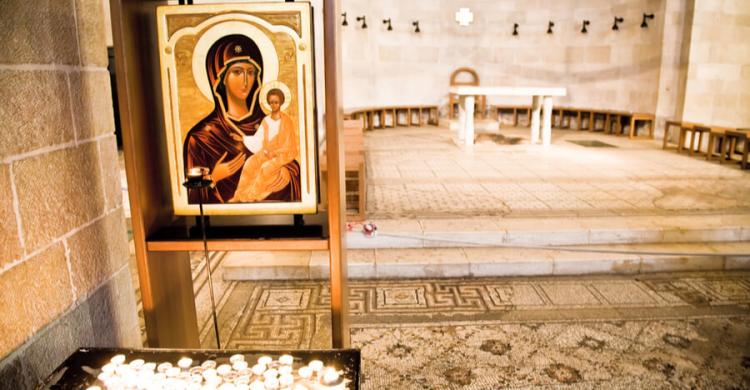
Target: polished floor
[{"x": 420, "y": 172}]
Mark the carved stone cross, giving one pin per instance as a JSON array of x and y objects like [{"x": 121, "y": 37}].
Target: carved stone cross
[{"x": 464, "y": 17}]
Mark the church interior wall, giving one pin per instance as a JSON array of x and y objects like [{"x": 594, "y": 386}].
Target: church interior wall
[
  {"x": 64, "y": 276},
  {"x": 718, "y": 75},
  {"x": 602, "y": 69}
]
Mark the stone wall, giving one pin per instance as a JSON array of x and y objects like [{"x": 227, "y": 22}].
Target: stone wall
[
  {"x": 718, "y": 77},
  {"x": 602, "y": 69},
  {"x": 64, "y": 278}
]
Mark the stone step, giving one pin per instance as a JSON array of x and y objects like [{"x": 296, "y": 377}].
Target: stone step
[
  {"x": 464, "y": 232},
  {"x": 491, "y": 261}
]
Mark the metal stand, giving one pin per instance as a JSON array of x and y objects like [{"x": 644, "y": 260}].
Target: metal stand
[{"x": 199, "y": 183}]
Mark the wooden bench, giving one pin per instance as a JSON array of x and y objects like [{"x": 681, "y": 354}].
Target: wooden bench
[
  {"x": 354, "y": 170},
  {"x": 391, "y": 116},
  {"x": 497, "y": 112},
  {"x": 734, "y": 138}
]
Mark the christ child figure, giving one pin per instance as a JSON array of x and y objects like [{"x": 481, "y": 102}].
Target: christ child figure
[{"x": 265, "y": 172}]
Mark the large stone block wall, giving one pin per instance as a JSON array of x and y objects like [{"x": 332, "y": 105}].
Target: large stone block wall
[
  {"x": 603, "y": 69},
  {"x": 64, "y": 278},
  {"x": 718, "y": 76}
]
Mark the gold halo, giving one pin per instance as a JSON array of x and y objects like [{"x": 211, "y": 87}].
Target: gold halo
[{"x": 264, "y": 95}]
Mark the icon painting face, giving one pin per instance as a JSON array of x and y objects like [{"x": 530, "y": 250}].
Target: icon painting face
[
  {"x": 240, "y": 79},
  {"x": 274, "y": 101}
]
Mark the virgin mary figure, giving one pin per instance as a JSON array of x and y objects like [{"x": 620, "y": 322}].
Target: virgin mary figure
[{"x": 234, "y": 66}]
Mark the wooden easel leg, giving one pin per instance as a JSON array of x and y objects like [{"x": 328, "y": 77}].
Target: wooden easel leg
[{"x": 169, "y": 305}]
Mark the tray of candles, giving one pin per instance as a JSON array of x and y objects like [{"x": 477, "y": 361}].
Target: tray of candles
[{"x": 184, "y": 369}]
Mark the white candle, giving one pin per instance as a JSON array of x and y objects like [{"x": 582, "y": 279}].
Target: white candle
[
  {"x": 257, "y": 385},
  {"x": 330, "y": 376},
  {"x": 214, "y": 381},
  {"x": 259, "y": 369},
  {"x": 93, "y": 388},
  {"x": 239, "y": 365},
  {"x": 300, "y": 387},
  {"x": 209, "y": 373},
  {"x": 118, "y": 359},
  {"x": 285, "y": 370},
  {"x": 305, "y": 372},
  {"x": 137, "y": 364},
  {"x": 286, "y": 360},
  {"x": 150, "y": 366},
  {"x": 196, "y": 378},
  {"x": 236, "y": 358},
  {"x": 271, "y": 373},
  {"x": 272, "y": 383},
  {"x": 223, "y": 369},
  {"x": 185, "y": 363},
  {"x": 173, "y": 372},
  {"x": 286, "y": 380},
  {"x": 108, "y": 368},
  {"x": 208, "y": 364},
  {"x": 227, "y": 386},
  {"x": 265, "y": 360},
  {"x": 163, "y": 367},
  {"x": 316, "y": 365}
]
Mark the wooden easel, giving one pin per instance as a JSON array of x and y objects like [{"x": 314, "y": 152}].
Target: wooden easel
[{"x": 161, "y": 250}]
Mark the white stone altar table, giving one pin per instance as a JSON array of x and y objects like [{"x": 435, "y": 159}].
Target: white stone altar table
[{"x": 539, "y": 95}]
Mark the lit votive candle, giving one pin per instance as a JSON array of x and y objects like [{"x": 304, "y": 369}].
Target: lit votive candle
[
  {"x": 236, "y": 358},
  {"x": 316, "y": 365},
  {"x": 173, "y": 372},
  {"x": 272, "y": 383},
  {"x": 104, "y": 376},
  {"x": 257, "y": 385},
  {"x": 150, "y": 366},
  {"x": 285, "y": 370},
  {"x": 108, "y": 368},
  {"x": 271, "y": 373},
  {"x": 118, "y": 359},
  {"x": 305, "y": 372},
  {"x": 287, "y": 360},
  {"x": 286, "y": 380},
  {"x": 208, "y": 364},
  {"x": 330, "y": 376},
  {"x": 259, "y": 369},
  {"x": 265, "y": 360},
  {"x": 185, "y": 363},
  {"x": 300, "y": 387},
  {"x": 239, "y": 365},
  {"x": 163, "y": 367},
  {"x": 242, "y": 380},
  {"x": 137, "y": 364},
  {"x": 213, "y": 381},
  {"x": 93, "y": 388},
  {"x": 196, "y": 378},
  {"x": 209, "y": 373},
  {"x": 197, "y": 172},
  {"x": 223, "y": 369},
  {"x": 227, "y": 386}
]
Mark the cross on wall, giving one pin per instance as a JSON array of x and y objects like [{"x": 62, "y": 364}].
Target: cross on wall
[{"x": 464, "y": 17}]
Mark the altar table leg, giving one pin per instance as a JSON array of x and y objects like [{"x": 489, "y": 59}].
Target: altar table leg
[
  {"x": 469, "y": 140},
  {"x": 535, "y": 109},
  {"x": 547, "y": 122}
]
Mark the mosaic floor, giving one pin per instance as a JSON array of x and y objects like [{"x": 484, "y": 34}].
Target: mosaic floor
[
  {"x": 420, "y": 172},
  {"x": 687, "y": 330}
]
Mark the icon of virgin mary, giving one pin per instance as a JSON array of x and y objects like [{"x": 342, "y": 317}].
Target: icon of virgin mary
[{"x": 234, "y": 66}]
